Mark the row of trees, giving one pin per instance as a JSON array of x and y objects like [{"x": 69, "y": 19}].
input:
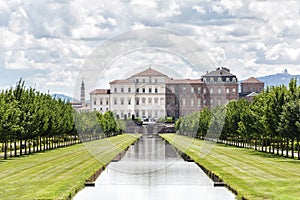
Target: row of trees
[
  {"x": 271, "y": 122},
  {"x": 95, "y": 125},
  {"x": 31, "y": 121}
]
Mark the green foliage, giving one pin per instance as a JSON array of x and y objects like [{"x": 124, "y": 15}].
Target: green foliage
[
  {"x": 87, "y": 125},
  {"x": 108, "y": 123},
  {"x": 29, "y": 117},
  {"x": 161, "y": 120},
  {"x": 271, "y": 120}
]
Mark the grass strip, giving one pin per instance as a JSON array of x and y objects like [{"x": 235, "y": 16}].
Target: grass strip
[
  {"x": 59, "y": 173},
  {"x": 254, "y": 175}
]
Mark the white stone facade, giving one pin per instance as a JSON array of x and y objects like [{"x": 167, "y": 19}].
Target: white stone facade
[
  {"x": 142, "y": 95},
  {"x": 151, "y": 94}
]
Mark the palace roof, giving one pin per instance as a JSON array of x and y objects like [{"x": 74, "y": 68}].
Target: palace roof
[
  {"x": 252, "y": 80},
  {"x": 149, "y": 72},
  {"x": 100, "y": 91}
]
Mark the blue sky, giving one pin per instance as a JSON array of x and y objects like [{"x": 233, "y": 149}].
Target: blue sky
[{"x": 48, "y": 42}]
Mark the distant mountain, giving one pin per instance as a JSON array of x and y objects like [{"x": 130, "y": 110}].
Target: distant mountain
[
  {"x": 64, "y": 97},
  {"x": 278, "y": 79}
]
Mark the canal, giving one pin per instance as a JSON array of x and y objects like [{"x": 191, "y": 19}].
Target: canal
[{"x": 151, "y": 169}]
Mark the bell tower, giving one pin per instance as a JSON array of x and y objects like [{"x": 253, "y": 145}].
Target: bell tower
[{"x": 82, "y": 93}]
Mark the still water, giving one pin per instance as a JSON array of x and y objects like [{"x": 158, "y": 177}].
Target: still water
[{"x": 152, "y": 170}]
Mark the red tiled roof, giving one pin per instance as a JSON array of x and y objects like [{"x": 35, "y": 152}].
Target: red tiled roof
[
  {"x": 100, "y": 91},
  {"x": 121, "y": 81},
  {"x": 186, "y": 81},
  {"x": 149, "y": 72},
  {"x": 252, "y": 80}
]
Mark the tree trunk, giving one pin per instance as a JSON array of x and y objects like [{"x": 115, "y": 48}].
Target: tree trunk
[
  {"x": 287, "y": 147},
  {"x": 5, "y": 150},
  {"x": 21, "y": 152},
  {"x": 10, "y": 149},
  {"x": 15, "y": 147},
  {"x": 273, "y": 145},
  {"x": 277, "y": 146},
  {"x": 282, "y": 147},
  {"x": 40, "y": 143},
  {"x": 45, "y": 143},
  {"x": 25, "y": 145},
  {"x": 29, "y": 146},
  {"x": 293, "y": 148},
  {"x": 298, "y": 148}
]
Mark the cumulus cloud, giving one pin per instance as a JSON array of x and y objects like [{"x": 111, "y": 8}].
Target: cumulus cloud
[{"x": 48, "y": 42}]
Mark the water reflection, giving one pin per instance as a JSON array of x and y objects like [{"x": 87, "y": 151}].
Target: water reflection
[{"x": 152, "y": 170}]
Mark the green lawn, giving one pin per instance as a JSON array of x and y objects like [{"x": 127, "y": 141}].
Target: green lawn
[
  {"x": 59, "y": 173},
  {"x": 254, "y": 175}
]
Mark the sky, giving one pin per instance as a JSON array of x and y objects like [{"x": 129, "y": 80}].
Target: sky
[{"x": 55, "y": 44}]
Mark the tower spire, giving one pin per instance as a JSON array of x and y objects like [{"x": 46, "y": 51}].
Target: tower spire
[{"x": 82, "y": 93}]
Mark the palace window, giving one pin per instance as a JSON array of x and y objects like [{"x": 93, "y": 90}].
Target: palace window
[
  {"x": 129, "y": 89},
  {"x": 122, "y": 89},
  {"x": 219, "y": 90},
  {"x": 137, "y": 90},
  {"x": 150, "y": 90},
  {"x": 156, "y": 90},
  {"x": 115, "y": 89},
  {"x": 144, "y": 90}
]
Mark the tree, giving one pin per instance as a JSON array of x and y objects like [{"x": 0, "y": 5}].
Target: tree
[{"x": 204, "y": 122}]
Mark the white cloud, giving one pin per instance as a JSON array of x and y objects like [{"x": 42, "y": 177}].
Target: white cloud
[{"x": 49, "y": 42}]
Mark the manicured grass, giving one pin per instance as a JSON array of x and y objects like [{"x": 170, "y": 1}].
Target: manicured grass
[
  {"x": 59, "y": 173},
  {"x": 254, "y": 175}
]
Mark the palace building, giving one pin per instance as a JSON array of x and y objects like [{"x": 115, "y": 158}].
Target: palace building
[
  {"x": 151, "y": 94},
  {"x": 251, "y": 88}
]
